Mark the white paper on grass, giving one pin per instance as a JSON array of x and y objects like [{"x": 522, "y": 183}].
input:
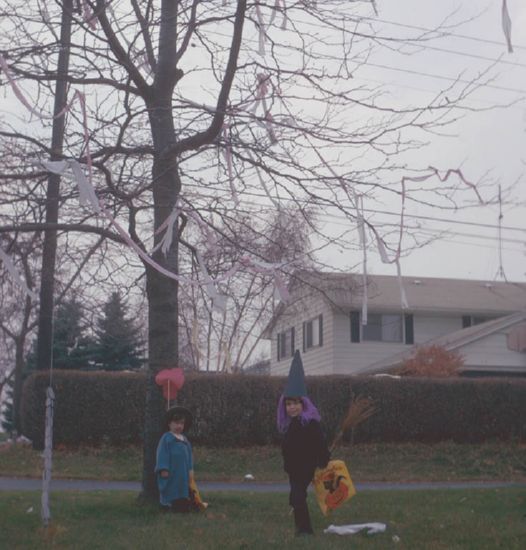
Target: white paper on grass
[{"x": 353, "y": 528}]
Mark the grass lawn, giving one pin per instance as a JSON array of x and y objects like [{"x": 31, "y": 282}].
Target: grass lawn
[
  {"x": 454, "y": 519},
  {"x": 366, "y": 462}
]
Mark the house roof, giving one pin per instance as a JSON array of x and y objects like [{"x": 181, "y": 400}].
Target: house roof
[
  {"x": 423, "y": 293},
  {"x": 452, "y": 341},
  {"x": 344, "y": 291}
]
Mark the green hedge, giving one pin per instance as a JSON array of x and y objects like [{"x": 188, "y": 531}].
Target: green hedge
[
  {"x": 237, "y": 410},
  {"x": 90, "y": 407}
]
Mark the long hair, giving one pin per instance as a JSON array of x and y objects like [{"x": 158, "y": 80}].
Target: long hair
[{"x": 310, "y": 412}]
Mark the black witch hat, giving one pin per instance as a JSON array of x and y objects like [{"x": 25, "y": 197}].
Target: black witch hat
[{"x": 295, "y": 386}]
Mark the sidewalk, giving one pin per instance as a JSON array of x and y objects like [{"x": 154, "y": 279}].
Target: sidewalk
[{"x": 27, "y": 484}]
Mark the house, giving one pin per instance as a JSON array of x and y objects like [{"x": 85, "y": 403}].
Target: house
[{"x": 484, "y": 321}]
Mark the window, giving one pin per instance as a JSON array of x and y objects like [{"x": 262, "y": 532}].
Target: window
[
  {"x": 313, "y": 333},
  {"x": 382, "y": 327},
  {"x": 286, "y": 344}
]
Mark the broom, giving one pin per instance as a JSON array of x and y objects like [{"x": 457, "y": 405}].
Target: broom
[{"x": 360, "y": 409}]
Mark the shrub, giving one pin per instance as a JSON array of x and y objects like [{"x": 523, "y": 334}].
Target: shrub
[
  {"x": 90, "y": 407},
  {"x": 238, "y": 410},
  {"x": 435, "y": 361}
]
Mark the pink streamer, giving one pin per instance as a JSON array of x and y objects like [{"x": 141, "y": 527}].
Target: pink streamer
[
  {"x": 261, "y": 92},
  {"x": 277, "y": 5},
  {"x": 447, "y": 175},
  {"x": 88, "y": 15},
  {"x": 19, "y": 94},
  {"x": 261, "y": 31}
]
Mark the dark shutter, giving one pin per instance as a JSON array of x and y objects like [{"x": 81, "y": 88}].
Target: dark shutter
[
  {"x": 279, "y": 346},
  {"x": 304, "y": 334},
  {"x": 308, "y": 342},
  {"x": 292, "y": 343},
  {"x": 320, "y": 326},
  {"x": 466, "y": 321},
  {"x": 355, "y": 326},
  {"x": 409, "y": 329}
]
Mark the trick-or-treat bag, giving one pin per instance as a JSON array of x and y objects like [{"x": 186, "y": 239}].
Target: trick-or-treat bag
[
  {"x": 333, "y": 486},
  {"x": 196, "y": 502}
]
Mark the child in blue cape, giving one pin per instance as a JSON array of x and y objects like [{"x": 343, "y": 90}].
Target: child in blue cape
[
  {"x": 174, "y": 466},
  {"x": 304, "y": 447}
]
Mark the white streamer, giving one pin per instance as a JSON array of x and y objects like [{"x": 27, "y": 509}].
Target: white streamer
[
  {"x": 11, "y": 269},
  {"x": 363, "y": 242},
  {"x": 87, "y": 193},
  {"x": 218, "y": 300},
  {"x": 48, "y": 456},
  {"x": 353, "y": 528}
]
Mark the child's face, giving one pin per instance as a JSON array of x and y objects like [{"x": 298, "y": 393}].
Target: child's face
[
  {"x": 176, "y": 425},
  {"x": 294, "y": 407}
]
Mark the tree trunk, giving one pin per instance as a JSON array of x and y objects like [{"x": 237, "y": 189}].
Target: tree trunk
[
  {"x": 47, "y": 284},
  {"x": 163, "y": 311}
]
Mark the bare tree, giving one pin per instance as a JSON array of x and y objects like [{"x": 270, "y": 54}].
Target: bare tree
[
  {"x": 213, "y": 109},
  {"x": 227, "y": 340}
]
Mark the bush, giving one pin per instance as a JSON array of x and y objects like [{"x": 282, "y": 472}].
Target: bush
[
  {"x": 90, "y": 407},
  {"x": 238, "y": 410},
  {"x": 435, "y": 361}
]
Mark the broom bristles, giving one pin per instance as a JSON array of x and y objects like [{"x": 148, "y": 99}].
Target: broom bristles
[{"x": 359, "y": 410}]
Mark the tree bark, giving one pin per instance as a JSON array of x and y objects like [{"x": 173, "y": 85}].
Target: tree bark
[
  {"x": 162, "y": 291},
  {"x": 47, "y": 284}
]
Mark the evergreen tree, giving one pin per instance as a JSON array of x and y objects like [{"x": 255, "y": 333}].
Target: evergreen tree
[
  {"x": 119, "y": 346},
  {"x": 72, "y": 348}
]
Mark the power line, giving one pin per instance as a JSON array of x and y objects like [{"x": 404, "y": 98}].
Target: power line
[
  {"x": 448, "y": 78},
  {"x": 442, "y": 33},
  {"x": 514, "y": 105},
  {"x": 447, "y": 220},
  {"x": 368, "y": 210},
  {"x": 472, "y": 55}
]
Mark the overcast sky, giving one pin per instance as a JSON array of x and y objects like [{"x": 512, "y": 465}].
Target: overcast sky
[{"x": 488, "y": 146}]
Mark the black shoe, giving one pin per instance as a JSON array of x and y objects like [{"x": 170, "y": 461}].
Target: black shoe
[{"x": 302, "y": 521}]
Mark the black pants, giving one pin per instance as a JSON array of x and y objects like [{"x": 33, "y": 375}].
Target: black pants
[{"x": 298, "y": 500}]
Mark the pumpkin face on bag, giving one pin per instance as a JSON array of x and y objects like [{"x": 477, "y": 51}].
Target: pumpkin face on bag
[{"x": 333, "y": 486}]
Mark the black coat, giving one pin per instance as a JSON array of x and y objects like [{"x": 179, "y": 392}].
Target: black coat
[{"x": 304, "y": 448}]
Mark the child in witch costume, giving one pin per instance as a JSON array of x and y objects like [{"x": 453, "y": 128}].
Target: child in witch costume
[
  {"x": 174, "y": 466},
  {"x": 304, "y": 447}
]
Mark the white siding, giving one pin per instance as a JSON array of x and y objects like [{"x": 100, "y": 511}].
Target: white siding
[
  {"x": 429, "y": 326},
  {"x": 492, "y": 351},
  {"x": 316, "y": 360},
  {"x": 350, "y": 356},
  {"x": 339, "y": 355}
]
